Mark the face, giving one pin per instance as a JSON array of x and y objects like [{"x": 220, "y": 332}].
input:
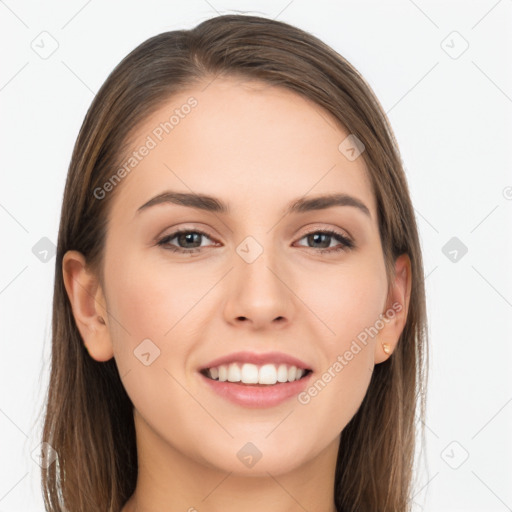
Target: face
[{"x": 249, "y": 273}]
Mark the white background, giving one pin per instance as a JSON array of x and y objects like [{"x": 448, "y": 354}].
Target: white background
[{"x": 452, "y": 119}]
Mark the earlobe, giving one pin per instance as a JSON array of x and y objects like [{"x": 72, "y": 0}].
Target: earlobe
[
  {"x": 88, "y": 305},
  {"x": 395, "y": 315}
]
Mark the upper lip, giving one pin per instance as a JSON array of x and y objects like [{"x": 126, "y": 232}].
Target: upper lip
[{"x": 257, "y": 359}]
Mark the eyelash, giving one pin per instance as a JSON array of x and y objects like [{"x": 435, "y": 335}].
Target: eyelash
[{"x": 346, "y": 243}]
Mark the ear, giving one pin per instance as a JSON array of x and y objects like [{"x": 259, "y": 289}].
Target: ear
[
  {"x": 88, "y": 305},
  {"x": 395, "y": 314}
]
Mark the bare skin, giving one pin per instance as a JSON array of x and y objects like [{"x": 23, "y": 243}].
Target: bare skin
[{"x": 256, "y": 148}]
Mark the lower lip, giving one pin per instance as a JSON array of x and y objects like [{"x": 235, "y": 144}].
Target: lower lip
[{"x": 257, "y": 396}]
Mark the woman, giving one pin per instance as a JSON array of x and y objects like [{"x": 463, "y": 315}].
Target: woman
[{"x": 239, "y": 311}]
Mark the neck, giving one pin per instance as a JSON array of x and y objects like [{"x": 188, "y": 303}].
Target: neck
[{"x": 169, "y": 480}]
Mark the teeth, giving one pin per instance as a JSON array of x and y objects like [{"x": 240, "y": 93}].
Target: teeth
[
  {"x": 252, "y": 374},
  {"x": 234, "y": 374},
  {"x": 268, "y": 374},
  {"x": 282, "y": 373}
]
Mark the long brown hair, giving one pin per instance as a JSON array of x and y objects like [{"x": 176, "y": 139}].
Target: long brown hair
[{"x": 88, "y": 415}]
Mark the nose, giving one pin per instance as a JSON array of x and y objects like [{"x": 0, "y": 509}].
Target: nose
[{"x": 258, "y": 295}]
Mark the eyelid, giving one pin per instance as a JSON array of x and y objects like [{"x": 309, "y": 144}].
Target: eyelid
[
  {"x": 313, "y": 228},
  {"x": 345, "y": 243},
  {"x": 187, "y": 228},
  {"x": 306, "y": 231},
  {"x": 178, "y": 231}
]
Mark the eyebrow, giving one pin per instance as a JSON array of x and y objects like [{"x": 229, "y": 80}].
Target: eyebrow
[{"x": 215, "y": 205}]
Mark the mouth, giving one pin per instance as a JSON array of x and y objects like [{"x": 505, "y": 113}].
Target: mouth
[
  {"x": 249, "y": 374},
  {"x": 256, "y": 380}
]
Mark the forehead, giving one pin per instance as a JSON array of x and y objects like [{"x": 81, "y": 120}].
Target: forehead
[{"x": 246, "y": 142}]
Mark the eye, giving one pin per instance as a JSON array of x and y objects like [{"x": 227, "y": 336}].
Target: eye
[
  {"x": 324, "y": 239},
  {"x": 191, "y": 239}
]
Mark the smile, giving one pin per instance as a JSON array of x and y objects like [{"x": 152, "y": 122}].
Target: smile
[
  {"x": 247, "y": 373},
  {"x": 256, "y": 394}
]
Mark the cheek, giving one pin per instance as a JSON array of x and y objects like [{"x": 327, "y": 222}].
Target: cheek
[
  {"x": 151, "y": 299},
  {"x": 153, "y": 307},
  {"x": 166, "y": 304},
  {"x": 346, "y": 299}
]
